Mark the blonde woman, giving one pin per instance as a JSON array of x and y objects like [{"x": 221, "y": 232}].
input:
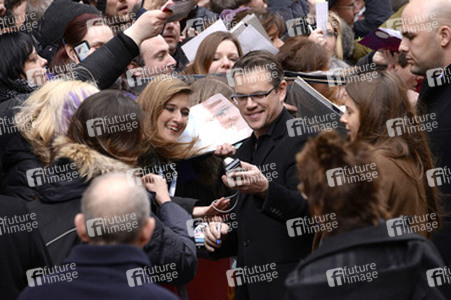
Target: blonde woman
[
  {"x": 29, "y": 128},
  {"x": 331, "y": 41}
]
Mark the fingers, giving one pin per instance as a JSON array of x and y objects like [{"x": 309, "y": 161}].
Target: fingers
[
  {"x": 212, "y": 236},
  {"x": 221, "y": 203},
  {"x": 225, "y": 150}
]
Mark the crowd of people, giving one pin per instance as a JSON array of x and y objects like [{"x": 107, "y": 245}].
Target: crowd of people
[{"x": 102, "y": 196}]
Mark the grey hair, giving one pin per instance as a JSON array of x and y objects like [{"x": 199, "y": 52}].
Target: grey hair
[{"x": 130, "y": 206}]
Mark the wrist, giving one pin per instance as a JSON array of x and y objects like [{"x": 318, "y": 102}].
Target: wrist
[
  {"x": 135, "y": 36},
  {"x": 161, "y": 199}
]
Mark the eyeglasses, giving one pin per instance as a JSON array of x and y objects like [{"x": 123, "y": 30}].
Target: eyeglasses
[{"x": 240, "y": 100}]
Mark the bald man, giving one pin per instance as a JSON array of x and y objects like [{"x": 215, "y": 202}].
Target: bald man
[
  {"x": 115, "y": 224},
  {"x": 426, "y": 29}
]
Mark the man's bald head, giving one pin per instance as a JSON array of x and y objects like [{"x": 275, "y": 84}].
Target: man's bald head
[
  {"x": 115, "y": 200},
  {"x": 426, "y": 30},
  {"x": 432, "y": 10}
]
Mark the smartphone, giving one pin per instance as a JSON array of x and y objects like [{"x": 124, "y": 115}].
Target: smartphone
[{"x": 82, "y": 50}]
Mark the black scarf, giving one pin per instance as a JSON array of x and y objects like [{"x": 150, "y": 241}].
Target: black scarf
[{"x": 16, "y": 87}]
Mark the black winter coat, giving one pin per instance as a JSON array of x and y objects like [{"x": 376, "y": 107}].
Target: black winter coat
[
  {"x": 16, "y": 156},
  {"x": 20, "y": 249},
  {"x": 400, "y": 263},
  {"x": 261, "y": 236},
  {"x": 435, "y": 99}
]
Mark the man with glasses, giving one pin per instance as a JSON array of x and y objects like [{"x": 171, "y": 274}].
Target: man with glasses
[{"x": 267, "y": 184}]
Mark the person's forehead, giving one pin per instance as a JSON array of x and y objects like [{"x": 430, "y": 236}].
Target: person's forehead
[
  {"x": 254, "y": 81},
  {"x": 154, "y": 45}
]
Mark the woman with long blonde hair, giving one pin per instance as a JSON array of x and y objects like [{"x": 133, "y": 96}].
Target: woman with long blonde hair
[{"x": 29, "y": 129}]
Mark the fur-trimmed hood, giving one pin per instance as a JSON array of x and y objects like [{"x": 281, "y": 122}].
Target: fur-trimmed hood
[{"x": 89, "y": 162}]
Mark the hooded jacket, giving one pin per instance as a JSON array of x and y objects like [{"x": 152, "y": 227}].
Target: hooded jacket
[{"x": 75, "y": 165}]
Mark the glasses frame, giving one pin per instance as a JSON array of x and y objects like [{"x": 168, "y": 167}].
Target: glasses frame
[{"x": 241, "y": 102}]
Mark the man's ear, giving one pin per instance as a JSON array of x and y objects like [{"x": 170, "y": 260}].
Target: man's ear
[
  {"x": 445, "y": 36},
  {"x": 147, "y": 231},
  {"x": 71, "y": 53},
  {"x": 80, "y": 225},
  {"x": 282, "y": 90}
]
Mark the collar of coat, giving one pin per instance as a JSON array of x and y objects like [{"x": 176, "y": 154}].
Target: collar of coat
[
  {"x": 88, "y": 161},
  {"x": 366, "y": 236}
]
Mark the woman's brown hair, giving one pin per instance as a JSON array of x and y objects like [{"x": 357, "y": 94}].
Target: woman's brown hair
[
  {"x": 382, "y": 97},
  {"x": 356, "y": 204},
  {"x": 112, "y": 109},
  {"x": 207, "y": 49}
]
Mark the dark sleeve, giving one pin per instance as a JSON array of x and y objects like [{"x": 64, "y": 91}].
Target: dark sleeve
[
  {"x": 185, "y": 203},
  {"x": 289, "y": 9},
  {"x": 376, "y": 13},
  {"x": 366, "y": 60},
  {"x": 108, "y": 62},
  {"x": 283, "y": 201},
  {"x": 170, "y": 243}
]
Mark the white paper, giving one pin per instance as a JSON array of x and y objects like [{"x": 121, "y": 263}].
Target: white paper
[
  {"x": 250, "y": 20},
  {"x": 215, "y": 121},
  {"x": 322, "y": 15},
  {"x": 190, "y": 48},
  {"x": 251, "y": 40}
]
